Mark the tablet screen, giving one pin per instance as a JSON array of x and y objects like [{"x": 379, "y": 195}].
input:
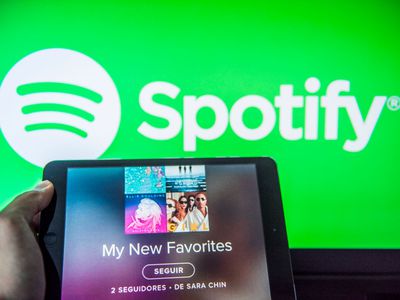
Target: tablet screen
[{"x": 170, "y": 232}]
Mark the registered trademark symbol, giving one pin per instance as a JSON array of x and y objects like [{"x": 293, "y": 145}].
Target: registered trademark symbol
[{"x": 393, "y": 103}]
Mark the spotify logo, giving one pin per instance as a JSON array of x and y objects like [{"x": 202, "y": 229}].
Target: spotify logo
[{"x": 59, "y": 104}]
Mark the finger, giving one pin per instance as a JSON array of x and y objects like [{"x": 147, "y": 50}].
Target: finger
[{"x": 31, "y": 203}]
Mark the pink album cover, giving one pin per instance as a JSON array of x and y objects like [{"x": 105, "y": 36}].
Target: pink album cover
[{"x": 145, "y": 213}]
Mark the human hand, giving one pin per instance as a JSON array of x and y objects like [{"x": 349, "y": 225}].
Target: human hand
[{"x": 21, "y": 262}]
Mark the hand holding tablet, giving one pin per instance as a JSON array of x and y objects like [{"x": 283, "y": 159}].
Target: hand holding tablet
[
  {"x": 21, "y": 272},
  {"x": 171, "y": 229}
]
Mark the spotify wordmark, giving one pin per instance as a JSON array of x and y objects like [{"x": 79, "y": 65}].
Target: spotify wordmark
[
  {"x": 285, "y": 104},
  {"x": 58, "y": 104}
]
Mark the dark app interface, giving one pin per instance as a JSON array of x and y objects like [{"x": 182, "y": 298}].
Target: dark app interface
[{"x": 170, "y": 232}]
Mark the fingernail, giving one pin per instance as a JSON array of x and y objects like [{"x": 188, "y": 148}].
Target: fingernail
[{"x": 42, "y": 185}]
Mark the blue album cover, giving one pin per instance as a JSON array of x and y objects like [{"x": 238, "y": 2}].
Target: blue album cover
[
  {"x": 144, "y": 180},
  {"x": 185, "y": 178}
]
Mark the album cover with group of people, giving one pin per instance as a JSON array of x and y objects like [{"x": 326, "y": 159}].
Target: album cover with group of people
[{"x": 162, "y": 199}]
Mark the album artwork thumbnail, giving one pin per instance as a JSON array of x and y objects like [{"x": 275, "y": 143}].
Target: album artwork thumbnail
[
  {"x": 145, "y": 213},
  {"x": 185, "y": 178},
  {"x": 187, "y": 211},
  {"x": 143, "y": 180}
]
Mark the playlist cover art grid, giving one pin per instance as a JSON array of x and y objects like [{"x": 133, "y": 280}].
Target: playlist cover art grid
[{"x": 165, "y": 199}]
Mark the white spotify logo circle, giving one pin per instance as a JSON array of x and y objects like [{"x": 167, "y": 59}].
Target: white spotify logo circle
[{"x": 59, "y": 104}]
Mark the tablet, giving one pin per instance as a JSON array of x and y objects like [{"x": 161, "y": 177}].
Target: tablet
[{"x": 166, "y": 229}]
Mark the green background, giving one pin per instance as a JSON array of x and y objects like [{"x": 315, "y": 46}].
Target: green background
[{"x": 332, "y": 198}]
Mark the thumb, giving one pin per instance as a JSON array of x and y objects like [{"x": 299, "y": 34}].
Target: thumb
[{"x": 31, "y": 203}]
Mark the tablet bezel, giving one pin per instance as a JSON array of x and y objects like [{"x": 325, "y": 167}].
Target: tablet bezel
[{"x": 51, "y": 237}]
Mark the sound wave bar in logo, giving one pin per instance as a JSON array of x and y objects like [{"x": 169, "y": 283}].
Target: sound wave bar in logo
[{"x": 64, "y": 88}]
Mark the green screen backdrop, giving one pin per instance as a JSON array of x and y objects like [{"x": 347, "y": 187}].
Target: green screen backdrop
[{"x": 314, "y": 85}]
